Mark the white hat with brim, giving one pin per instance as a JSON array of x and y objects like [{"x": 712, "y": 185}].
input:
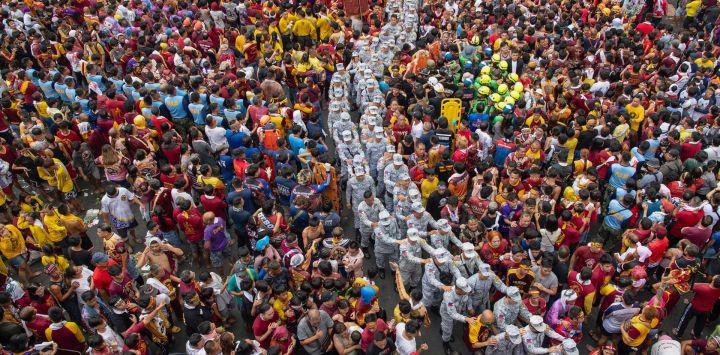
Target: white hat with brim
[
  {"x": 537, "y": 323},
  {"x": 513, "y": 333}
]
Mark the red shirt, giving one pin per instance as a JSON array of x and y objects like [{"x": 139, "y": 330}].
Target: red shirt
[
  {"x": 260, "y": 327},
  {"x": 688, "y": 150},
  {"x": 368, "y": 336},
  {"x": 539, "y": 309},
  {"x": 658, "y": 248},
  {"x": 600, "y": 277},
  {"x": 585, "y": 257},
  {"x": 215, "y": 205},
  {"x": 172, "y": 153},
  {"x": 685, "y": 219},
  {"x": 705, "y": 297},
  {"x": 645, "y": 28},
  {"x": 191, "y": 224},
  {"x": 101, "y": 277}
]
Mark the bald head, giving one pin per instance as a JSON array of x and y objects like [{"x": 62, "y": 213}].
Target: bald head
[
  {"x": 208, "y": 217},
  {"x": 487, "y": 317}
]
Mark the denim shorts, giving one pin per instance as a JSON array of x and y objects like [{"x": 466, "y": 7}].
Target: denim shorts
[{"x": 17, "y": 260}]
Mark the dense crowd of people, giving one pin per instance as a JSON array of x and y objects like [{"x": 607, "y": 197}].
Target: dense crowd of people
[{"x": 541, "y": 174}]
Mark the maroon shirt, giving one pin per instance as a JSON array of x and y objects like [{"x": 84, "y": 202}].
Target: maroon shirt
[{"x": 585, "y": 257}]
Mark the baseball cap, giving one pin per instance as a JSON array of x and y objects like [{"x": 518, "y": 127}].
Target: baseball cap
[
  {"x": 537, "y": 323},
  {"x": 570, "y": 347},
  {"x": 397, "y": 159},
  {"x": 99, "y": 257},
  {"x": 384, "y": 217},
  {"x": 513, "y": 333},
  {"x": 442, "y": 255},
  {"x": 462, "y": 284},
  {"x": 468, "y": 250},
  {"x": 413, "y": 234},
  {"x": 443, "y": 224},
  {"x": 514, "y": 294},
  {"x": 654, "y": 162},
  {"x": 347, "y": 135},
  {"x": 418, "y": 207}
]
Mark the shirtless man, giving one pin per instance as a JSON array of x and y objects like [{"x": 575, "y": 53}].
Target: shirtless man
[
  {"x": 157, "y": 252},
  {"x": 113, "y": 244},
  {"x": 315, "y": 230}
]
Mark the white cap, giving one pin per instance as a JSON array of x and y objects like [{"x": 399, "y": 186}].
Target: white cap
[
  {"x": 462, "y": 284},
  {"x": 432, "y": 81},
  {"x": 359, "y": 170},
  {"x": 390, "y": 149},
  {"x": 469, "y": 250},
  {"x": 514, "y": 294},
  {"x": 384, "y": 215},
  {"x": 443, "y": 225},
  {"x": 537, "y": 323},
  {"x": 441, "y": 255},
  {"x": 513, "y": 333},
  {"x": 418, "y": 207},
  {"x": 439, "y": 88},
  {"x": 347, "y": 135},
  {"x": 413, "y": 234},
  {"x": 345, "y": 116},
  {"x": 397, "y": 159},
  {"x": 570, "y": 347}
]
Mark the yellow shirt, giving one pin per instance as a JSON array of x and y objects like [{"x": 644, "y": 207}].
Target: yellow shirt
[
  {"x": 212, "y": 181},
  {"x": 304, "y": 28},
  {"x": 14, "y": 244},
  {"x": 323, "y": 24},
  {"x": 36, "y": 230},
  {"x": 284, "y": 25},
  {"x": 281, "y": 306},
  {"x": 705, "y": 63},
  {"x": 55, "y": 227},
  {"x": 692, "y": 7},
  {"x": 58, "y": 260},
  {"x": 637, "y": 115},
  {"x": 581, "y": 166},
  {"x": 571, "y": 144},
  {"x": 427, "y": 187}
]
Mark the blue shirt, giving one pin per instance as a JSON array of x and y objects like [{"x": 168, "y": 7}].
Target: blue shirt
[
  {"x": 60, "y": 90},
  {"x": 247, "y": 197},
  {"x": 176, "y": 106},
  {"x": 198, "y": 113},
  {"x": 619, "y": 175},
  {"x": 219, "y": 101},
  {"x": 48, "y": 89},
  {"x": 97, "y": 79},
  {"x": 284, "y": 188},
  {"x": 617, "y": 213},
  {"x": 227, "y": 170},
  {"x": 296, "y": 143},
  {"x": 235, "y": 138},
  {"x": 654, "y": 144}
]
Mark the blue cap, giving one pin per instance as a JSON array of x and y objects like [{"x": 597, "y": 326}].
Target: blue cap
[{"x": 262, "y": 243}]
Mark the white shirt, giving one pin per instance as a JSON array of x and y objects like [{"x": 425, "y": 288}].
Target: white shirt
[
  {"x": 119, "y": 206},
  {"x": 216, "y": 136},
  {"x": 404, "y": 346},
  {"x": 111, "y": 337}
]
